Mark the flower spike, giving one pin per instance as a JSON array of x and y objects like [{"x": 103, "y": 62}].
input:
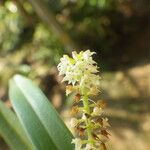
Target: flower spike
[{"x": 81, "y": 74}]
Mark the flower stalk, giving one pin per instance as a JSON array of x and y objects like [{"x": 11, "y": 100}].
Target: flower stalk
[
  {"x": 87, "y": 121},
  {"x": 81, "y": 73}
]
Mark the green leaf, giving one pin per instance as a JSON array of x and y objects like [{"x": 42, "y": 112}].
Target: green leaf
[
  {"x": 12, "y": 131},
  {"x": 38, "y": 117}
]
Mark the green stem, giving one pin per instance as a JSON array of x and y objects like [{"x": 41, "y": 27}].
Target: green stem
[{"x": 88, "y": 122}]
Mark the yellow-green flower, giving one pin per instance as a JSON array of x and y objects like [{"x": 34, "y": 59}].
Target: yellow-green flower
[{"x": 81, "y": 70}]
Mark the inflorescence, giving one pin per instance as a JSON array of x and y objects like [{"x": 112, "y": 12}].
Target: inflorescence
[{"x": 81, "y": 73}]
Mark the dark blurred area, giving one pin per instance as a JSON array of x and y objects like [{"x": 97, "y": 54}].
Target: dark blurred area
[{"x": 34, "y": 34}]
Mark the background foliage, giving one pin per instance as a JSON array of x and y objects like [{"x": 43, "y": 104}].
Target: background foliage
[{"x": 34, "y": 34}]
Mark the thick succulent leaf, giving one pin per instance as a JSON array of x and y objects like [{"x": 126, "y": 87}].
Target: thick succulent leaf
[
  {"x": 38, "y": 117},
  {"x": 12, "y": 131}
]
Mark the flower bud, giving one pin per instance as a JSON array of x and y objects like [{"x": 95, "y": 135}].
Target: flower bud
[
  {"x": 97, "y": 111},
  {"x": 74, "y": 122}
]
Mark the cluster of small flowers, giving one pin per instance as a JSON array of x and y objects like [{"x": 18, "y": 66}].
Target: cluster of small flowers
[
  {"x": 98, "y": 126},
  {"x": 81, "y": 74},
  {"x": 81, "y": 70}
]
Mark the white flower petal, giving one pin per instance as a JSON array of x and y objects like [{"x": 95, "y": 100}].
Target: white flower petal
[
  {"x": 78, "y": 143},
  {"x": 73, "y": 122}
]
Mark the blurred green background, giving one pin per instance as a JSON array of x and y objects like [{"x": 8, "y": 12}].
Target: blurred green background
[{"x": 34, "y": 34}]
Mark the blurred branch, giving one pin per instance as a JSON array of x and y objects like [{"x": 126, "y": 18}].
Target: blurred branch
[
  {"x": 29, "y": 19},
  {"x": 47, "y": 16}
]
